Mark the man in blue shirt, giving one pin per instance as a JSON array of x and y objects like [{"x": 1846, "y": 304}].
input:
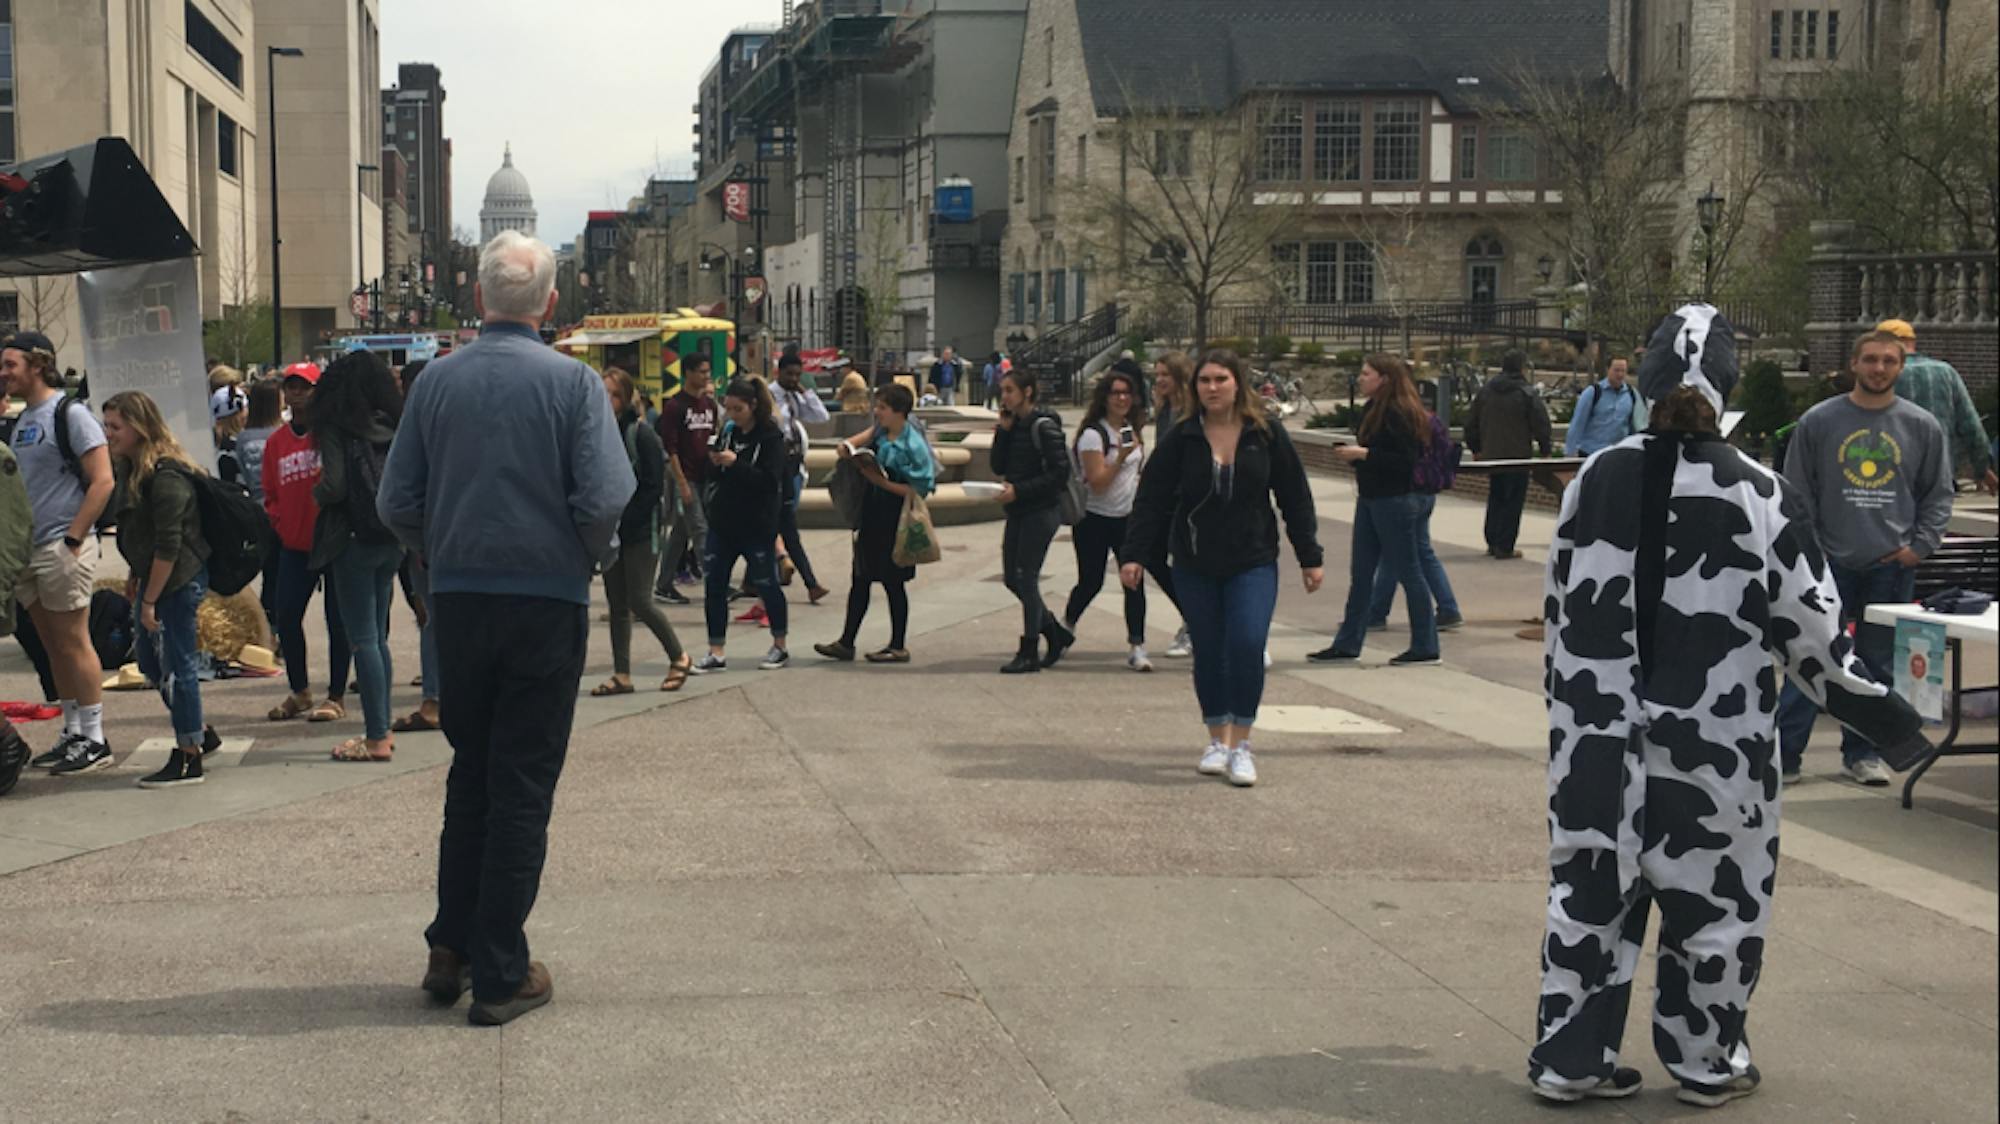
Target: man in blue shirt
[{"x": 1603, "y": 414}]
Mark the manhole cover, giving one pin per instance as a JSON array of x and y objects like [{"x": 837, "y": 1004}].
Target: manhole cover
[{"x": 1318, "y": 720}]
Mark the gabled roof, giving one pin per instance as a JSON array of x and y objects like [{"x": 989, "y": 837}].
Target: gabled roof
[{"x": 1208, "y": 54}]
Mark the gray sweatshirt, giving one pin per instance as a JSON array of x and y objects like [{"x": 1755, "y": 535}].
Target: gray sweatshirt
[
  {"x": 1875, "y": 480},
  {"x": 508, "y": 473}
]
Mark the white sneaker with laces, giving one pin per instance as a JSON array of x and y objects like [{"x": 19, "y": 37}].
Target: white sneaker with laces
[
  {"x": 775, "y": 659},
  {"x": 1242, "y": 766},
  {"x": 1215, "y": 762},
  {"x": 1267, "y": 659},
  {"x": 1137, "y": 661},
  {"x": 1182, "y": 647},
  {"x": 1869, "y": 771}
]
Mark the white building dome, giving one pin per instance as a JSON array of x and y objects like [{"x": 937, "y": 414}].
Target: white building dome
[{"x": 509, "y": 204}]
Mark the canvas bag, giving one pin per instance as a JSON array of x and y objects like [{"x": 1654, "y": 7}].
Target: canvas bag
[{"x": 916, "y": 535}]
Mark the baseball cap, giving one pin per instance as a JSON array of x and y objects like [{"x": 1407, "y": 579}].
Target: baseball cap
[
  {"x": 31, "y": 342},
  {"x": 227, "y": 402},
  {"x": 1898, "y": 328},
  {"x": 306, "y": 371}
]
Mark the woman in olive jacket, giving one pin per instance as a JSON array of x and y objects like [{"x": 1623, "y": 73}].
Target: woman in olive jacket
[
  {"x": 1031, "y": 455},
  {"x": 1205, "y": 503},
  {"x": 159, "y": 533}
]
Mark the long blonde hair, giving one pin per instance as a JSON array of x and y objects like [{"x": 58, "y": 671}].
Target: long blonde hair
[{"x": 156, "y": 441}]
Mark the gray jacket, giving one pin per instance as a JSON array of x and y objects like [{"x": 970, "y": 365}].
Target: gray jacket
[{"x": 508, "y": 472}]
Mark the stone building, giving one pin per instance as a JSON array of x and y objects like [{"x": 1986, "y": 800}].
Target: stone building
[{"x": 509, "y": 204}]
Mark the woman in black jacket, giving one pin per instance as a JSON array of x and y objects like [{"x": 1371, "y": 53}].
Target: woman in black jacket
[
  {"x": 628, "y": 583},
  {"x": 746, "y": 485},
  {"x": 1031, "y": 455},
  {"x": 1205, "y": 499},
  {"x": 1394, "y": 432}
]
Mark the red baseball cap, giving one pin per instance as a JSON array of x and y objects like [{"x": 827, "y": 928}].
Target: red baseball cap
[{"x": 306, "y": 371}]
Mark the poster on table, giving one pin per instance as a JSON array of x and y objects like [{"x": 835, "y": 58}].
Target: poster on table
[
  {"x": 1920, "y": 654},
  {"x": 142, "y": 331}
]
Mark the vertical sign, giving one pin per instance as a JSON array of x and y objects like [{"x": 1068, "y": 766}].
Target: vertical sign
[
  {"x": 736, "y": 201},
  {"x": 142, "y": 331},
  {"x": 1919, "y": 670}
]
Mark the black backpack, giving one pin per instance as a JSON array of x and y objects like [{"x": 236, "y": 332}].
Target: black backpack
[
  {"x": 365, "y": 466},
  {"x": 237, "y": 530},
  {"x": 107, "y": 518}
]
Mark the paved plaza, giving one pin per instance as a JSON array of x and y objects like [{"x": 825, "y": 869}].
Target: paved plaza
[{"x": 843, "y": 892}]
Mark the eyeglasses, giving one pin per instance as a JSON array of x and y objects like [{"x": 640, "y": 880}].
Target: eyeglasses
[{"x": 1121, "y": 393}]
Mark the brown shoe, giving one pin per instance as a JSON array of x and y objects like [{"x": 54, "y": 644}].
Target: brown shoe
[
  {"x": 536, "y": 990},
  {"x": 447, "y": 977}
]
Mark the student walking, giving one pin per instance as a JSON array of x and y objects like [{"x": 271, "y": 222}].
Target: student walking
[
  {"x": 1437, "y": 466},
  {"x": 1173, "y": 395},
  {"x": 290, "y": 471},
  {"x": 687, "y": 424},
  {"x": 748, "y": 472},
  {"x": 629, "y": 580},
  {"x": 1205, "y": 504},
  {"x": 1395, "y": 431},
  {"x": 798, "y": 407},
  {"x": 898, "y": 466},
  {"x": 354, "y": 414},
  {"x": 1110, "y": 457},
  {"x": 1606, "y": 412},
  {"x": 1507, "y": 422},
  {"x": 1029, "y": 455}
]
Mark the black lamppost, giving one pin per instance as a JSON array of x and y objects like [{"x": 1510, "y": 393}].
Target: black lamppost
[
  {"x": 1708, "y": 213},
  {"x": 1545, "y": 266},
  {"x": 271, "y": 142}
]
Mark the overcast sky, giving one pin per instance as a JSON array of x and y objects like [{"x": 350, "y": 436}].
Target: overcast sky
[{"x": 594, "y": 94}]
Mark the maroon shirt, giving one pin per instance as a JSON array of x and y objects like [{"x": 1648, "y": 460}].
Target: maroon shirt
[{"x": 686, "y": 424}]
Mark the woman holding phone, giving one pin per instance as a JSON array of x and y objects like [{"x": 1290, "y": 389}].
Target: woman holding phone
[{"x": 1109, "y": 457}]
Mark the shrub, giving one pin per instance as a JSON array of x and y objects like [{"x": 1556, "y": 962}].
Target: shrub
[
  {"x": 1237, "y": 344},
  {"x": 1273, "y": 348},
  {"x": 1766, "y": 404},
  {"x": 1312, "y": 351},
  {"x": 1323, "y": 420},
  {"x": 1350, "y": 359}
]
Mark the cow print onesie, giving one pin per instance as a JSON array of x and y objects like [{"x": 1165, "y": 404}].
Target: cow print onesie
[{"x": 1663, "y": 782}]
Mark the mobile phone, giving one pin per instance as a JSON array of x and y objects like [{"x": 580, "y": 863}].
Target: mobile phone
[{"x": 1126, "y": 436}]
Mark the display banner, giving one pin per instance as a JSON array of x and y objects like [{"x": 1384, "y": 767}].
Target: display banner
[{"x": 142, "y": 331}]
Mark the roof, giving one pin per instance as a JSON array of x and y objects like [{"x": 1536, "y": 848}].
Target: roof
[
  {"x": 1202, "y": 55},
  {"x": 508, "y": 187}
]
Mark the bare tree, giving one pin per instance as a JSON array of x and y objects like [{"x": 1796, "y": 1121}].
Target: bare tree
[
  {"x": 881, "y": 271},
  {"x": 242, "y": 333},
  {"x": 45, "y": 306},
  {"x": 1409, "y": 269}
]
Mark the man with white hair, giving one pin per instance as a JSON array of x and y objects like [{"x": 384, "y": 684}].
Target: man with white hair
[{"x": 509, "y": 477}]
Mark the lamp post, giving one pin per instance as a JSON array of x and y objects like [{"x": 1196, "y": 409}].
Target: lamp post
[
  {"x": 1545, "y": 266},
  {"x": 277, "y": 274},
  {"x": 360, "y": 226},
  {"x": 1708, "y": 213}
]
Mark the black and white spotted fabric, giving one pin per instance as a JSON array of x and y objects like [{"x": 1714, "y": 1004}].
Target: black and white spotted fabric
[{"x": 1663, "y": 779}]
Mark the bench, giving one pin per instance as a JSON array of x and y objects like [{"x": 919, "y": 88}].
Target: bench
[{"x": 1961, "y": 563}]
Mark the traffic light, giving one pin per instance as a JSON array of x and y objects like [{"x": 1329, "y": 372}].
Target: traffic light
[{"x": 90, "y": 207}]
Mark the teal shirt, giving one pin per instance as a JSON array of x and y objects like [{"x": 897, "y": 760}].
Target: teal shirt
[
  {"x": 907, "y": 459},
  {"x": 1936, "y": 386}
]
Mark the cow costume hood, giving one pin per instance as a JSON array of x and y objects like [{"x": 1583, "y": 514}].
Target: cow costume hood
[{"x": 1693, "y": 347}]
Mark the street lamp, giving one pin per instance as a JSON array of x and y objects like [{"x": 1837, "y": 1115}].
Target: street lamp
[
  {"x": 1708, "y": 213},
  {"x": 1546, "y": 267},
  {"x": 271, "y": 142}
]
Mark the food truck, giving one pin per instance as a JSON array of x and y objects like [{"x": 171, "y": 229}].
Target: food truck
[
  {"x": 395, "y": 348},
  {"x": 649, "y": 346}
]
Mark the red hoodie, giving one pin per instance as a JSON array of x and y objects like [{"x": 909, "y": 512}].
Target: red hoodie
[{"x": 291, "y": 468}]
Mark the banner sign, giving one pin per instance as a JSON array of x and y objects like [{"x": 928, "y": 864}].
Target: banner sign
[
  {"x": 1919, "y": 670},
  {"x": 142, "y": 331},
  {"x": 754, "y": 289},
  {"x": 736, "y": 201}
]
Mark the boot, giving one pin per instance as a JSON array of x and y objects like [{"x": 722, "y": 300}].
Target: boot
[
  {"x": 1026, "y": 660},
  {"x": 1060, "y": 637}
]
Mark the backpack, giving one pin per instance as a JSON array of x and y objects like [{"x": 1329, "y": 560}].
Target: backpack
[
  {"x": 1437, "y": 468},
  {"x": 106, "y": 519},
  {"x": 1074, "y": 495},
  {"x": 1596, "y": 392},
  {"x": 365, "y": 465},
  {"x": 238, "y": 532}
]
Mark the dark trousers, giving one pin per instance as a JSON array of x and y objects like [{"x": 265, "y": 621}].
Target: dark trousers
[
  {"x": 1884, "y": 583},
  {"x": 296, "y": 582},
  {"x": 31, "y": 643},
  {"x": 760, "y": 565},
  {"x": 510, "y": 667},
  {"x": 1098, "y": 538},
  {"x": 898, "y": 594},
  {"x": 1506, "y": 495},
  {"x": 788, "y": 529},
  {"x": 1024, "y": 546}
]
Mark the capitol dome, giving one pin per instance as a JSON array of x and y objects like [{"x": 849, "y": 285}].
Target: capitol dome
[{"x": 509, "y": 204}]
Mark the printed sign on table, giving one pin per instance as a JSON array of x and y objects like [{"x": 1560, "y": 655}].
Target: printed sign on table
[{"x": 1920, "y": 655}]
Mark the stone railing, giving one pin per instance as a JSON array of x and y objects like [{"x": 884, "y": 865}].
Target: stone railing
[
  {"x": 1948, "y": 298},
  {"x": 1926, "y": 290}
]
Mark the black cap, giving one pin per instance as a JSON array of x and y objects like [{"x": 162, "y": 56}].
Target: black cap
[{"x": 31, "y": 342}]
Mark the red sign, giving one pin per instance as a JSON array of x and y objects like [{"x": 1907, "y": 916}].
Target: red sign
[
  {"x": 817, "y": 359},
  {"x": 754, "y": 290},
  {"x": 358, "y": 304},
  {"x": 736, "y": 201}
]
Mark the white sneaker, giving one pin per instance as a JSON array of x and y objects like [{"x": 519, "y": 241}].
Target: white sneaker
[
  {"x": 1182, "y": 647},
  {"x": 1215, "y": 762},
  {"x": 775, "y": 659},
  {"x": 1242, "y": 766},
  {"x": 1869, "y": 771},
  {"x": 1267, "y": 659},
  {"x": 1137, "y": 661}
]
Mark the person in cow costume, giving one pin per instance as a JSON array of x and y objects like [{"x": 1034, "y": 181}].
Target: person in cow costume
[{"x": 1683, "y": 573}]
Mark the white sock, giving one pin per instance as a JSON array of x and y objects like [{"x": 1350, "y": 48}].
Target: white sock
[
  {"x": 70, "y": 722},
  {"x": 91, "y": 721}
]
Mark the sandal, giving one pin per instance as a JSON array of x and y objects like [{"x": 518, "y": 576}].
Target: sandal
[
  {"x": 610, "y": 687},
  {"x": 677, "y": 675},
  {"x": 416, "y": 723},
  {"x": 292, "y": 707},
  {"x": 356, "y": 749},
  {"x": 328, "y": 711}
]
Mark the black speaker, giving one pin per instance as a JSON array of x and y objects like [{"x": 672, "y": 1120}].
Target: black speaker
[{"x": 91, "y": 207}]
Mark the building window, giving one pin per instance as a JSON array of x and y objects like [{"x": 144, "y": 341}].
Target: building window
[
  {"x": 1357, "y": 279},
  {"x": 1798, "y": 34},
  {"x": 1020, "y": 181},
  {"x": 208, "y": 41},
  {"x": 1076, "y": 282},
  {"x": 1281, "y": 132},
  {"x": 1082, "y": 159},
  {"x": 1337, "y": 142},
  {"x": 1034, "y": 298},
  {"x": 1335, "y": 272},
  {"x": 10, "y": 303},
  {"x": 1777, "y": 35},
  {"x": 1399, "y": 140},
  {"x": 1510, "y": 157},
  {"x": 1017, "y": 292},
  {"x": 1483, "y": 260},
  {"x": 1173, "y": 153},
  {"x": 225, "y": 144},
  {"x": 1680, "y": 46},
  {"x": 1832, "y": 36},
  {"x": 9, "y": 150},
  {"x": 1049, "y": 57},
  {"x": 1285, "y": 269},
  {"x": 1058, "y": 304},
  {"x": 1812, "y": 34},
  {"x": 1468, "y": 153}
]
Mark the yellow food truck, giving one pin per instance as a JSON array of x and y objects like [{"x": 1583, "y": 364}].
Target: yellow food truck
[{"x": 649, "y": 346}]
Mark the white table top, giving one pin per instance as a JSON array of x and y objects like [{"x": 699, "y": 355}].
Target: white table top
[{"x": 1984, "y": 627}]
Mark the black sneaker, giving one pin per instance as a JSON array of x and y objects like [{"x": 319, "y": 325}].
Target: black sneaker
[
  {"x": 1715, "y": 1096},
  {"x": 671, "y": 596},
  {"x": 1623, "y": 1082},
  {"x": 54, "y": 756},
  {"x": 709, "y": 665},
  {"x": 1333, "y": 655},
  {"x": 1450, "y": 622},
  {"x": 1378, "y": 626},
  {"x": 210, "y": 740},
  {"x": 181, "y": 768},
  {"x": 85, "y": 756},
  {"x": 14, "y": 754},
  {"x": 1413, "y": 659}
]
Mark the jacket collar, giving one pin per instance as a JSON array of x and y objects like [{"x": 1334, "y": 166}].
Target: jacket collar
[{"x": 509, "y": 328}]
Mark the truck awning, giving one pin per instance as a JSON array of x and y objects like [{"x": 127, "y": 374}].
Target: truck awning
[{"x": 603, "y": 337}]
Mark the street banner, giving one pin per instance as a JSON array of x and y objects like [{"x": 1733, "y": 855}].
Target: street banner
[
  {"x": 142, "y": 331},
  {"x": 816, "y": 359},
  {"x": 736, "y": 201},
  {"x": 754, "y": 290}
]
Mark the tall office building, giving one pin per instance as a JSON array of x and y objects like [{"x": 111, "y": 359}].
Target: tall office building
[{"x": 413, "y": 121}]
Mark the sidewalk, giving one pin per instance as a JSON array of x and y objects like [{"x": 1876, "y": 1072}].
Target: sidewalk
[{"x": 930, "y": 893}]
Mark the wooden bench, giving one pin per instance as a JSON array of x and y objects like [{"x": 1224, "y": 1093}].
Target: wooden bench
[{"x": 1961, "y": 563}]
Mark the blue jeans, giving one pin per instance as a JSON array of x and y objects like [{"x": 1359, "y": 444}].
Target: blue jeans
[
  {"x": 171, "y": 658},
  {"x": 365, "y": 575},
  {"x": 1229, "y": 620},
  {"x": 1385, "y": 538},
  {"x": 1386, "y": 578},
  {"x": 788, "y": 529},
  {"x": 760, "y": 564},
  {"x": 1882, "y": 583},
  {"x": 427, "y": 647}
]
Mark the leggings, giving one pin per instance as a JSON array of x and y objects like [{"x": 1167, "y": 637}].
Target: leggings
[
  {"x": 1098, "y": 538},
  {"x": 1024, "y": 546},
  {"x": 628, "y": 587},
  {"x": 296, "y": 582},
  {"x": 898, "y": 593}
]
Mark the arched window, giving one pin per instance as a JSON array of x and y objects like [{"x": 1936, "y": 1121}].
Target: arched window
[
  {"x": 1484, "y": 259},
  {"x": 1059, "y": 286}
]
